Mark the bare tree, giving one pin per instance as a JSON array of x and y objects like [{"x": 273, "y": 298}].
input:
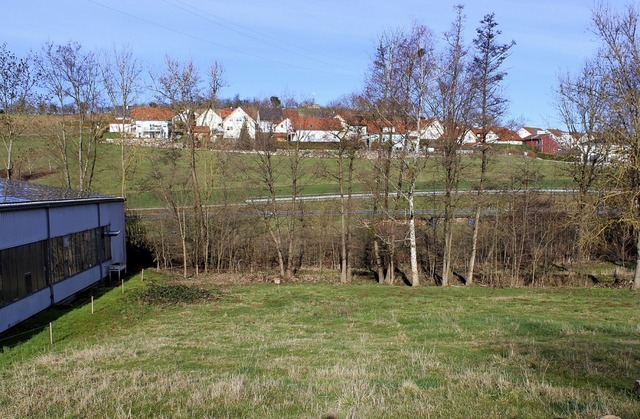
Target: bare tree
[
  {"x": 619, "y": 66},
  {"x": 451, "y": 101},
  {"x": 582, "y": 105},
  {"x": 17, "y": 80},
  {"x": 487, "y": 74},
  {"x": 121, "y": 77},
  {"x": 70, "y": 76},
  {"x": 216, "y": 82},
  {"x": 179, "y": 85},
  {"x": 283, "y": 219},
  {"x": 396, "y": 94},
  {"x": 349, "y": 141},
  {"x": 172, "y": 187}
]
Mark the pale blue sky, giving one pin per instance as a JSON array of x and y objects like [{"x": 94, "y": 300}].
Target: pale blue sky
[{"x": 309, "y": 49}]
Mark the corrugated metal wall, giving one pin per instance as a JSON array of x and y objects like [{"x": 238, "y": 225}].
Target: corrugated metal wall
[{"x": 24, "y": 226}]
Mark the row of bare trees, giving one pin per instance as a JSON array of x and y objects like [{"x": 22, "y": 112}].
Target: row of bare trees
[
  {"x": 602, "y": 104},
  {"x": 76, "y": 85},
  {"x": 413, "y": 77}
]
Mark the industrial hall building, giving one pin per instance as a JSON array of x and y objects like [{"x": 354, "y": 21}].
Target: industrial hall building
[{"x": 54, "y": 242}]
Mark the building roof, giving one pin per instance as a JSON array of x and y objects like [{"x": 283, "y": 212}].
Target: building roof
[
  {"x": 147, "y": 113},
  {"x": 316, "y": 123},
  {"x": 16, "y": 192},
  {"x": 119, "y": 121}
]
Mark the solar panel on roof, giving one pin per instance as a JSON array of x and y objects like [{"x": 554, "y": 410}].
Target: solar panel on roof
[{"x": 15, "y": 191}]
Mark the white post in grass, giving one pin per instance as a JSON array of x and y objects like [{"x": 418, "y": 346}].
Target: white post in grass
[
  {"x": 92, "y": 304},
  {"x": 51, "y": 332},
  {"x": 143, "y": 275},
  {"x": 122, "y": 282}
]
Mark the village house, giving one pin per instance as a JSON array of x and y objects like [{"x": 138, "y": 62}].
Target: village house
[
  {"x": 152, "y": 122},
  {"x": 498, "y": 135},
  {"x": 543, "y": 143},
  {"x": 120, "y": 124},
  {"x": 314, "y": 129},
  {"x": 564, "y": 139},
  {"x": 235, "y": 120},
  {"x": 525, "y": 132}
]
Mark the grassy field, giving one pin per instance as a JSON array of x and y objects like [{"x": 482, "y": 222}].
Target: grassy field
[
  {"x": 322, "y": 350},
  {"x": 34, "y": 157}
]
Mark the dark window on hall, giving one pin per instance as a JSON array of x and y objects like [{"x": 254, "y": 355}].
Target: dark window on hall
[
  {"x": 23, "y": 268},
  {"x": 22, "y": 271},
  {"x": 77, "y": 252}
]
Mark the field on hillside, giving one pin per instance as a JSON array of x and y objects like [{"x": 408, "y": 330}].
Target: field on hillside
[
  {"x": 235, "y": 174},
  {"x": 190, "y": 348}
]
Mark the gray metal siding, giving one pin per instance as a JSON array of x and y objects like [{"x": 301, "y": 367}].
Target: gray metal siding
[
  {"x": 72, "y": 285},
  {"x": 22, "y": 227},
  {"x": 23, "y": 309},
  {"x": 65, "y": 220},
  {"x": 113, "y": 214}
]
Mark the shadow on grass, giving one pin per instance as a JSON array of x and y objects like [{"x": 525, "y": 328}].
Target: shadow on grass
[
  {"x": 570, "y": 354},
  {"x": 24, "y": 331}
]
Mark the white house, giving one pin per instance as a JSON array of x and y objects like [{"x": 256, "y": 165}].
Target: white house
[
  {"x": 121, "y": 125},
  {"x": 525, "y": 132},
  {"x": 233, "y": 123},
  {"x": 313, "y": 129},
  {"x": 430, "y": 130},
  {"x": 152, "y": 122},
  {"x": 499, "y": 135},
  {"x": 183, "y": 117},
  {"x": 563, "y": 138},
  {"x": 210, "y": 118}
]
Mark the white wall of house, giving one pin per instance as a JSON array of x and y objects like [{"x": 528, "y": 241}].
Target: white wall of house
[
  {"x": 152, "y": 129},
  {"x": 120, "y": 127},
  {"x": 211, "y": 119},
  {"x": 315, "y": 136},
  {"x": 232, "y": 125},
  {"x": 468, "y": 137},
  {"x": 433, "y": 131},
  {"x": 284, "y": 126},
  {"x": 492, "y": 137}
]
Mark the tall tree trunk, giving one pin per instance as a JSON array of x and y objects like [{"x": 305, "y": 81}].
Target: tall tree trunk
[
  {"x": 415, "y": 276},
  {"x": 474, "y": 246},
  {"x": 81, "y": 154},
  {"x": 476, "y": 215}
]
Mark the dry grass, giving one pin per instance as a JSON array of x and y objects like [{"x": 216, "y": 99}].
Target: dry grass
[{"x": 335, "y": 351}]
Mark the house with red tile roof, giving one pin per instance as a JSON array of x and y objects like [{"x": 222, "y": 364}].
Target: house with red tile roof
[
  {"x": 498, "y": 135},
  {"x": 235, "y": 120},
  {"x": 315, "y": 129},
  {"x": 525, "y": 132},
  {"x": 212, "y": 120},
  {"x": 563, "y": 138},
  {"x": 152, "y": 122}
]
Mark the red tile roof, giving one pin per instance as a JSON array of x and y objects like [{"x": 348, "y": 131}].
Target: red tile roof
[
  {"x": 315, "y": 123},
  {"x": 147, "y": 113}
]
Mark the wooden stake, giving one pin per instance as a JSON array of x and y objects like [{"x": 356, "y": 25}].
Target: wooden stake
[
  {"x": 51, "y": 332},
  {"x": 92, "y": 304},
  {"x": 143, "y": 275},
  {"x": 122, "y": 281}
]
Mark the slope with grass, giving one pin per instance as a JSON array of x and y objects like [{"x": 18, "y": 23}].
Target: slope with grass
[
  {"x": 196, "y": 349},
  {"x": 35, "y": 160}
]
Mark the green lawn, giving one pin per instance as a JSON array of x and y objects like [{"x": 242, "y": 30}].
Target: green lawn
[
  {"x": 239, "y": 177},
  {"x": 308, "y": 350}
]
